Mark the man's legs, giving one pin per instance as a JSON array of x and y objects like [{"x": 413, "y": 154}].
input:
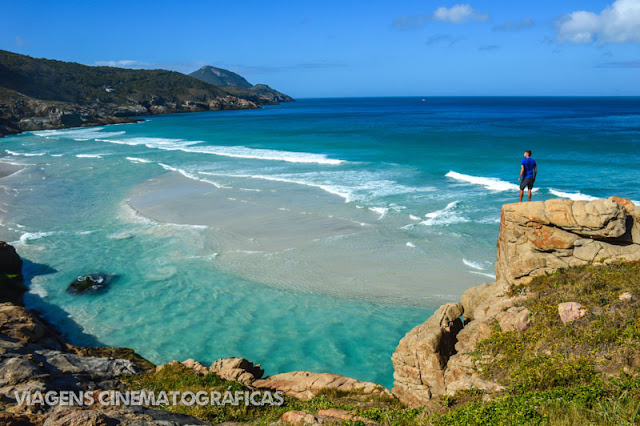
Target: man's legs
[
  {"x": 529, "y": 194},
  {"x": 521, "y": 194}
]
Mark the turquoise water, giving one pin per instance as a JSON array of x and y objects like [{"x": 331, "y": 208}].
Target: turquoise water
[{"x": 423, "y": 179}]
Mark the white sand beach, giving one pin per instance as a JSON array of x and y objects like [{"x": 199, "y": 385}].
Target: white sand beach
[{"x": 306, "y": 239}]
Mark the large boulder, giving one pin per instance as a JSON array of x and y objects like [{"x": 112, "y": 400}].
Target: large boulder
[
  {"x": 305, "y": 385},
  {"x": 237, "y": 369},
  {"x": 571, "y": 311},
  {"x": 540, "y": 237},
  {"x": 11, "y": 287},
  {"x": 421, "y": 357},
  {"x": 10, "y": 262},
  {"x": 91, "y": 283}
]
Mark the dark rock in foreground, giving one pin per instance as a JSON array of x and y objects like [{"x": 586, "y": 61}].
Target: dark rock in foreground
[{"x": 11, "y": 287}]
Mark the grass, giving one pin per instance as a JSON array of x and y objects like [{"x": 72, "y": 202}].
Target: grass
[
  {"x": 605, "y": 342},
  {"x": 584, "y": 372},
  {"x": 180, "y": 378}
]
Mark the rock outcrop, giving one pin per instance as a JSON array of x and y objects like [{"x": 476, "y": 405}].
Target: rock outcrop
[
  {"x": 571, "y": 311},
  {"x": 541, "y": 237},
  {"x": 303, "y": 385},
  {"x": 20, "y": 113},
  {"x": 237, "y": 369},
  {"x": 422, "y": 355},
  {"x": 330, "y": 416},
  {"x": 11, "y": 287},
  {"x": 33, "y": 357},
  {"x": 535, "y": 238}
]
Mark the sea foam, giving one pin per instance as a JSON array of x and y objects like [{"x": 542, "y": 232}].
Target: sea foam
[
  {"x": 90, "y": 155},
  {"x": 472, "y": 264},
  {"x": 25, "y": 154},
  {"x": 188, "y": 175},
  {"x": 350, "y": 185},
  {"x": 447, "y": 216},
  {"x": 493, "y": 184},
  {"x": 78, "y": 134},
  {"x": 137, "y": 160},
  {"x": 576, "y": 196},
  {"x": 227, "y": 151}
]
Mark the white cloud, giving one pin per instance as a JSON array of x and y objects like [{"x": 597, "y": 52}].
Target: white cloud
[
  {"x": 123, "y": 63},
  {"x": 617, "y": 23},
  {"x": 459, "y": 14}
]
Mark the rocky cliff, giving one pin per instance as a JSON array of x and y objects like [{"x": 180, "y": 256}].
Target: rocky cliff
[{"x": 535, "y": 239}]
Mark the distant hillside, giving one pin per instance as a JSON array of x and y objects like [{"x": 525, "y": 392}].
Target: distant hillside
[
  {"x": 233, "y": 81},
  {"x": 47, "y": 94},
  {"x": 220, "y": 77}
]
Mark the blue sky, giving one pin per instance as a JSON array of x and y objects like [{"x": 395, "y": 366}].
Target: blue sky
[{"x": 331, "y": 48}]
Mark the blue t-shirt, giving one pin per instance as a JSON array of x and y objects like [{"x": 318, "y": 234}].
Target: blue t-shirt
[{"x": 529, "y": 164}]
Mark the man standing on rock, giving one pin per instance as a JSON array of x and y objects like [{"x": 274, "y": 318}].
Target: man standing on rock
[{"x": 528, "y": 173}]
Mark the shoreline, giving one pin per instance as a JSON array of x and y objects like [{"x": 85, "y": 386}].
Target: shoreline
[
  {"x": 8, "y": 169},
  {"x": 259, "y": 238}
]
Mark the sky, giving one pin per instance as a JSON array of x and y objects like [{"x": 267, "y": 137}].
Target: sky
[{"x": 328, "y": 48}]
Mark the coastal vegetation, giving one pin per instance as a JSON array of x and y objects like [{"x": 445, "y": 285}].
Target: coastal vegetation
[
  {"x": 81, "y": 84},
  {"x": 47, "y": 94}
]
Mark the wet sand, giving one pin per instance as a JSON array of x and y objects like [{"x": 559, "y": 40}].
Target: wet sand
[
  {"x": 305, "y": 239},
  {"x": 8, "y": 169}
]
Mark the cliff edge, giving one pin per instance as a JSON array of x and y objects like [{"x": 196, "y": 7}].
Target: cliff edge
[{"x": 437, "y": 357}]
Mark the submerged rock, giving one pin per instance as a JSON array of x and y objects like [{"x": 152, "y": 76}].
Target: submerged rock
[{"x": 92, "y": 283}]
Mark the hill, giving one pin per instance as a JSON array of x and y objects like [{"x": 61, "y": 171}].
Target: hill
[
  {"x": 48, "y": 94},
  {"x": 220, "y": 77},
  {"x": 231, "y": 81}
]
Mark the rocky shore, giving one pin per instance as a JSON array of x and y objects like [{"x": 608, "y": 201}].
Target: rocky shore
[
  {"x": 22, "y": 113},
  {"x": 535, "y": 239},
  {"x": 434, "y": 360}
]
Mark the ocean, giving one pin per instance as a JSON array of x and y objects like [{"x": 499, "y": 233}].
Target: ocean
[{"x": 305, "y": 236}]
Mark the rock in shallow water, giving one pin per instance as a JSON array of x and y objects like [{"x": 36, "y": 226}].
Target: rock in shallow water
[{"x": 92, "y": 283}]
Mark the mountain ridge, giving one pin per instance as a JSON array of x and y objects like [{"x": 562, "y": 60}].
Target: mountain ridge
[
  {"x": 40, "y": 94},
  {"x": 229, "y": 79}
]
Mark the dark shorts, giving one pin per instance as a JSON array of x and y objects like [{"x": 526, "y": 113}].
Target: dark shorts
[{"x": 526, "y": 183}]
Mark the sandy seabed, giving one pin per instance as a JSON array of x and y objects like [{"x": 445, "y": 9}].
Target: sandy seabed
[{"x": 302, "y": 238}]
